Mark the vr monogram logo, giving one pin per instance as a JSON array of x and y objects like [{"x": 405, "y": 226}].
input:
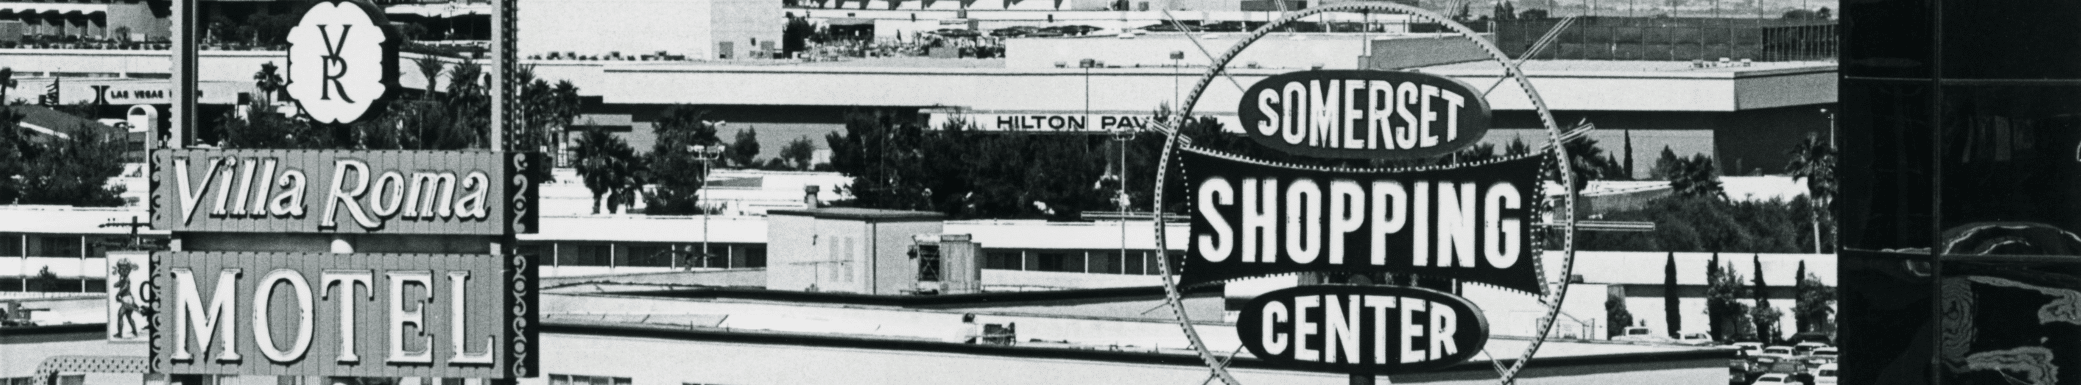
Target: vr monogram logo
[{"x": 339, "y": 71}]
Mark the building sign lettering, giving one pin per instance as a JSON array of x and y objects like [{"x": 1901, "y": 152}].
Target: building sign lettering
[
  {"x": 1470, "y": 223},
  {"x": 1356, "y": 114},
  {"x": 1362, "y": 329},
  {"x": 434, "y": 315},
  {"x": 401, "y": 192}
]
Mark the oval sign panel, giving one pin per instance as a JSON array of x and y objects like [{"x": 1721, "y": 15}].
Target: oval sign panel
[
  {"x": 342, "y": 61},
  {"x": 1362, "y": 329},
  {"x": 1358, "y": 114}
]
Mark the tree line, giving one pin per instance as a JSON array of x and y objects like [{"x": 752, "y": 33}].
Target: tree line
[
  {"x": 46, "y": 170},
  {"x": 1728, "y": 318}
]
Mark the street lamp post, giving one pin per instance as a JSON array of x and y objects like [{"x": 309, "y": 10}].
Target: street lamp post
[{"x": 707, "y": 155}]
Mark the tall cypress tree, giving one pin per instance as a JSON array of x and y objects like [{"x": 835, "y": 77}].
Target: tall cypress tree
[
  {"x": 1672, "y": 313},
  {"x": 1799, "y": 289},
  {"x": 1629, "y": 154},
  {"x": 1715, "y": 313},
  {"x": 1765, "y": 325}
]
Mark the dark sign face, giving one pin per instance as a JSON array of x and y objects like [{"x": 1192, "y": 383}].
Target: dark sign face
[
  {"x": 1470, "y": 223},
  {"x": 1362, "y": 329},
  {"x": 1356, "y": 114},
  {"x": 322, "y": 191},
  {"x": 361, "y": 315}
]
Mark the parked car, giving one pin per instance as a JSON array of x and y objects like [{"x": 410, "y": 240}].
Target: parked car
[
  {"x": 1774, "y": 379},
  {"x": 1749, "y": 349},
  {"x": 1806, "y": 347},
  {"x": 1818, "y": 357},
  {"x": 1694, "y": 339},
  {"x": 1774, "y": 354},
  {"x": 1825, "y": 375}
]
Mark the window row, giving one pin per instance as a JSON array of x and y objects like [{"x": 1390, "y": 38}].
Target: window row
[
  {"x": 62, "y": 245},
  {"x": 647, "y": 254},
  {"x": 1136, "y": 262},
  {"x": 36, "y": 284}
]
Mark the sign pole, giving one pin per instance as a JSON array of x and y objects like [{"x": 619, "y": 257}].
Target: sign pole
[
  {"x": 1362, "y": 379},
  {"x": 186, "y": 46},
  {"x": 504, "y": 63}
]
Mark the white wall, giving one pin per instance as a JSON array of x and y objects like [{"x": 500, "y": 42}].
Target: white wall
[
  {"x": 994, "y": 279},
  {"x": 788, "y": 251},
  {"x": 632, "y": 27},
  {"x": 1275, "y": 51},
  {"x": 748, "y": 23}
]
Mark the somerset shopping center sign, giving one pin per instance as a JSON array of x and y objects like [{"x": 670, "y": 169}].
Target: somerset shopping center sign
[{"x": 1467, "y": 223}]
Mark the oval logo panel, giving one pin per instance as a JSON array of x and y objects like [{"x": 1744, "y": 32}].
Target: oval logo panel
[
  {"x": 1357, "y": 114},
  {"x": 342, "y": 61},
  {"x": 1362, "y": 329}
]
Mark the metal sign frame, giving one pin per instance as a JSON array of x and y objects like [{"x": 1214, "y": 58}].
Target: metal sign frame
[{"x": 1554, "y": 296}]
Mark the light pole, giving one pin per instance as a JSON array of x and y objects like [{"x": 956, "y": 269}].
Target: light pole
[
  {"x": 1087, "y": 64},
  {"x": 1177, "y": 62},
  {"x": 706, "y": 154}
]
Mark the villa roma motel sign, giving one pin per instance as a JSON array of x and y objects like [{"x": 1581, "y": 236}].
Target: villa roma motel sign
[
  {"x": 363, "y": 315},
  {"x": 342, "y": 61}
]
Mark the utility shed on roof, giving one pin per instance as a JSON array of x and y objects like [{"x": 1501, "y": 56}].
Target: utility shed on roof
[{"x": 840, "y": 249}]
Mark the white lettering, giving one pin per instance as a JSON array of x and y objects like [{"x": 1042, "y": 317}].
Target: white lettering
[
  {"x": 263, "y": 332},
  {"x": 1260, "y": 213},
  {"x": 1411, "y": 330},
  {"x": 1347, "y": 214},
  {"x": 456, "y": 323},
  {"x": 190, "y": 197},
  {"x": 1212, "y": 193},
  {"x": 471, "y": 206},
  {"x": 1272, "y": 340},
  {"x": 1390, "y": 213},
  {"x": 1303, "y": 221},
  {"x": 336, "y": 196},
  {"x": 1456, "y": 221},
  {"x": 290, "y": 201},
  {"x": 346, "y": 280},
  {"x": 1341, "y": 327},
  {"x": 1500, "y": 233},
  {"x": 1323, "y": 107},
  {"x": 415, "y": 317},
  {"x": 1302, "y": 328},
  {"x": 204, "y": 323}
]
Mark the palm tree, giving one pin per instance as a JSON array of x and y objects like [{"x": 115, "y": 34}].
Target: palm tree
[
  {"x": 268, "y": 80},
  {"x": 1696, "y": 177},
  {"x": 1813, "y": 159},
  {"x": 430, "y": 67},
  {"x": 606, "y": 165}
]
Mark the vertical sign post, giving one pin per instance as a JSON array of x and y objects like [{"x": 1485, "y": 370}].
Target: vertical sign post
[
  {"x": 504, "y": 63},
  {"x": 186, "y": 47}
]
